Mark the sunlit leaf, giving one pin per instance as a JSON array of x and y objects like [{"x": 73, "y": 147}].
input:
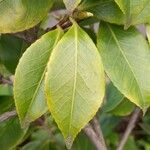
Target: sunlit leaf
[
  {"x": 71, "y": 4},
  {"x": 29, "y": 78},
  {"x": 74, "y": 82},
  {"x": 19, "y": 15}
]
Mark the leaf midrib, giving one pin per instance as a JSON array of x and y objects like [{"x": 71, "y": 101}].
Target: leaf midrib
[
  {"x": 116, "y": 40},
  {"x": 75, "y": 76}
]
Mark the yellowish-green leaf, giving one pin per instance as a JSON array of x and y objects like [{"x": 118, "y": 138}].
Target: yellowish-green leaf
[
  {"x": 131, "y": 9},
  {"x": 29, "y": 78},
  {"x": 74, "y": 82},
  {"x": 126, "y": 59},
  {"x": 71, "y": 4},
  {"x": 19, "y": 15},
  {"x": 148, "y": 32}
]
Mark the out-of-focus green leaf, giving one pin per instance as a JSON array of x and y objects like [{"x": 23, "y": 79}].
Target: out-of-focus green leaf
[
  {"x": 126, "y": 62},
  {"x": 11, "y": 49},
  {"x": 11, "y": 134},
  {"x": 124, "y": 108},
  {"x": 6, "y": 90},
  {"x": 6, "y": 103},
  {"x": 145, "y": 127},
  {"x": 116, "y": 103},
  {"x": 19, "y": 15},
  {"x": 131, "y": 144},
  {"x": 29, "y": 78},
  {"x": 74, "y": 82},
  {"x": 71, "y": 4},
  {"x": 113, "y": 98},
  {"x": 82, "y": 143}
]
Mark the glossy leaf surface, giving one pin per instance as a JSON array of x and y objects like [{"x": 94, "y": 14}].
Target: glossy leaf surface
[
  {"x": 126, "y": 59},
  {"x": 29, "y": 78},
  {"x": 74, "y": 82},
  {"x": 19, "y": 15}
]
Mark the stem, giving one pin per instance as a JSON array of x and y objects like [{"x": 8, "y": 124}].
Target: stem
[
  {"x": 98, "y": 131},
  {"x": 130, "y": 127},
  {"x": 7, "y": 116},
  {"x": 97, "y": 142}
]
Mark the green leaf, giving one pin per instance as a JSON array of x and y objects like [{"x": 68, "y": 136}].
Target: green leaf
[
  {"x": 74, "y": 82},
  {"x": 109, "y": 11},
  {"x": 113, "y": 97},
  {"x": 11, "y": 49},
  {"x": 6, "y": 103},
  {"x": 126, "y": 59},
  {"x": 71, "y": 4},
  {"x": 124, "y": 108},
  {"x": 117, "y": 103},
  {"x": 19, "y": 15},
  {"x": 29, "y": 78},
  {"x": 11, "y": 134},
  {"x": 106, "y": 10},
  {"x": 148, "y": 32},
  {"x": 132, "y": 8},
  {"x": 6, "y": 90}
]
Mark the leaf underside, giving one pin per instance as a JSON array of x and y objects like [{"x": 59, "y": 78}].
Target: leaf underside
[
  {"x": 74, "y": 82},
  {"x": 29, "y": 78}
]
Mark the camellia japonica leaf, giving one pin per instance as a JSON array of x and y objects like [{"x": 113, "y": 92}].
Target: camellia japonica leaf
[
  {"x": 11, "y": 49},
  {"x": 29, "y": 78},
  {"x": 11, "y": 134},
  {"x": 106, "y": 10},
  {"x": 132, "y": 8},
  {"x": 116, "y": 102},
  {"x": 126, "y": 58},
  {"x": 71, "y": 4},
  {"x": 74, "y": 82},
  {"x": 109, "y": 11},
  {"x": 148, "y": 32},
  {"x": 19, "y": 15}
]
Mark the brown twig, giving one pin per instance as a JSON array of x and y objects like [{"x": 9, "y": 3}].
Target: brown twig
[
  {"x": 89, "y": 131},
  {"x": 130, "y": 127},
  {"x": 7, "y": 116},
  {"x": 98, "y": 131}
]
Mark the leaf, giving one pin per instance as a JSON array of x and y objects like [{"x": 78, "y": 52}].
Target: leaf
[
  {"x": 6, "y": 104},
  {"x": 148, "y": 32},
  {"x": 74, "y": 82},
  {"x": 11, "y": 134},
  {"x": 11, "y": 49},
  {"x": 117, "y": 103},
  {"x": 109, "y": 11},
  {"x": 6, "y": 90},
  {"x": 113, "y": 97},
  {"x": 71, "y": 4},
  {"x": 132, "y": 8},
  {"x": 29, "y": 78},
  {"x": 19, "y": 15},
  {"x": 124, "y": 108},
  {"x": 106, "y": 10},
  {"x": 126, "y": 62}
]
